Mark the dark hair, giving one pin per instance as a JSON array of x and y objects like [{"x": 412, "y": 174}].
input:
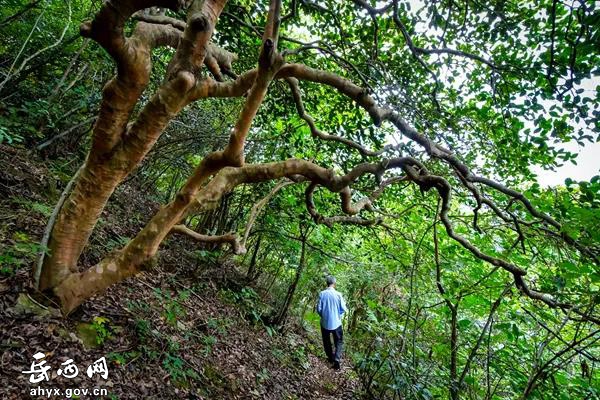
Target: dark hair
[{"x": 330, "y": 280}]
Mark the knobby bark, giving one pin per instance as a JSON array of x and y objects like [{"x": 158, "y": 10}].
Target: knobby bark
[
  {"x": 119, "y": 144},
  {"x": 87, "y": 200}
]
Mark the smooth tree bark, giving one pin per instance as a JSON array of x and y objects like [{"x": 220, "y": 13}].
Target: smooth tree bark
[
  {"x": 117, "y": 145},
  {"x": 120, "y": 140},
  {"x": 88, "y": 198}
]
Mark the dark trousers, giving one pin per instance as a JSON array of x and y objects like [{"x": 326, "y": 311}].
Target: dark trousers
[{"x": 338, "y": 341}]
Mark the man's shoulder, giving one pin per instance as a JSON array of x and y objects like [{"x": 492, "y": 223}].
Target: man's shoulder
[{"x": 330, "y": 292}]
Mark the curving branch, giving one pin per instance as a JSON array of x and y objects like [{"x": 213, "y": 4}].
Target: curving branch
[
  {"x": 418, "y": 51},
  {"x": 434, "y": 150},
  {"x": 229, "y": 177},
  {"x": 115, "y": 14},
  {"x": 330, "y": 221},
  {"x": 297, "y": 95},
  {"x": 118, "y": 146},
  {"x": 349, "y": 208},
  {"x": 217, "y": 60},
  {"x": 160, "y": 20},
  {"x": 230, "y": 238},
  {"x": 73, "y": 287}
]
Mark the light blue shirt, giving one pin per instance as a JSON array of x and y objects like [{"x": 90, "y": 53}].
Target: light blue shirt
[{"x": 330, "y": 307}]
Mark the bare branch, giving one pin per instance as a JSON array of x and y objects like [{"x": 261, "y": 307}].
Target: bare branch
[
  {"x": 231, "y": 238},
  {"x": 434, "y": 150},
  {"x": 160, "y": 19}
]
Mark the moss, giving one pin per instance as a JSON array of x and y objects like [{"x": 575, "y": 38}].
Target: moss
[
  {"x": 25, "y": 305},
  {"x": 88, "y": 335}
]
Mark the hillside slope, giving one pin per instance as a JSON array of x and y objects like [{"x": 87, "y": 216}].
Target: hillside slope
[{"x": 183, "y": 330}]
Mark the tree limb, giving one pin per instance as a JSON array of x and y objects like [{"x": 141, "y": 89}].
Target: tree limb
[{"x": 231, "y": 238}]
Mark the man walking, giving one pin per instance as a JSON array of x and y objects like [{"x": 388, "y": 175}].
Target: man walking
[{"x": 330, "y": 307}]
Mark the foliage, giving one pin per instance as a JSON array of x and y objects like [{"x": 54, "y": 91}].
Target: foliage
[
  {"x": 22, "y": 252},
  {"x": 247, "y": 300},
  {"x": 101, "y": 327},
  {"x": 173, "y": 309},
  {"x": 520, "y": 85},
  {"x": 178, "y": 371}
]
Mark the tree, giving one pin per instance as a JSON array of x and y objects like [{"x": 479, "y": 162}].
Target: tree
[{"x": 482, "y": 109}]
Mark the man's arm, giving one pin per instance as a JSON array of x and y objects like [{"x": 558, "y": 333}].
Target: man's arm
[{"x": 343, "y": 308}]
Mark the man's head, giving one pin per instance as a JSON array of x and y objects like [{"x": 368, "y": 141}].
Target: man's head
[{"x": 330, "y": 280}]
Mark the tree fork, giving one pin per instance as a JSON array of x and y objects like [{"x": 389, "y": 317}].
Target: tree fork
[
  {"x": 116, "y": 147},
  {"x": 76, "y": 287}
]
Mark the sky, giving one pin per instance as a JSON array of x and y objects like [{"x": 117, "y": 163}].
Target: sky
[
  {"x": 588, "y": 165},
  {"x": 588, "y": 160}
]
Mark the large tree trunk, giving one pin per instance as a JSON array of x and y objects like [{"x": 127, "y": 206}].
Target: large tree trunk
[
  {"x": 76, "y": 220},
  {"x": 117, "y": 146},
  {"x": 72, "y": 287}
]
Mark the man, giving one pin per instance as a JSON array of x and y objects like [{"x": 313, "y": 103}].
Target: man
[{"x": 330, "y": 307}]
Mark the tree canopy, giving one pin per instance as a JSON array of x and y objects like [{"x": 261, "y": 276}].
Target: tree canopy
[{"x": 390, "y": 143}]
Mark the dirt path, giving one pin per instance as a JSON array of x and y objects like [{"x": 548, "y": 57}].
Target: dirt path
[{"x": 175, "y": 333}]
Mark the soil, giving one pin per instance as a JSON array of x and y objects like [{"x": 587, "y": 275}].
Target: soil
[{"x": 186, "y": 329}]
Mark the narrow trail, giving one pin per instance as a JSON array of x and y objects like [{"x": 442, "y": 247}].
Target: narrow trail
[
  {"x": 333, "y": 384},
  {"x": 179, "y": 332}
]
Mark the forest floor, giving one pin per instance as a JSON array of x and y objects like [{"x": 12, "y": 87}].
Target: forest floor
[{"x": 186, "y": 329}]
